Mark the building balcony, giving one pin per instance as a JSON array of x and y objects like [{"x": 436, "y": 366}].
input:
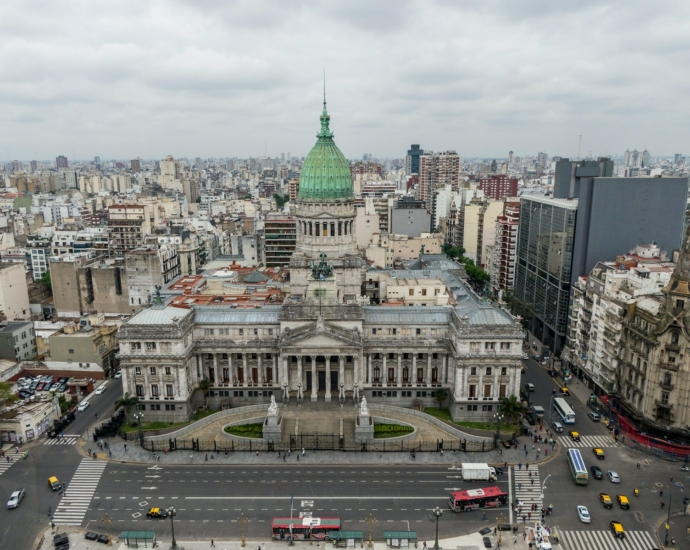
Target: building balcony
[
  {"x": 669, "y": 366},
  {"x": 660, "y": 403},
  {"x": 672, "y": 347},
  {"x": 667, "y": 387}
]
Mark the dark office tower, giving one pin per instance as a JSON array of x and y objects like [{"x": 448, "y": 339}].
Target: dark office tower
[
  {"x": 96, "y": 160},
  {"x": 135, "y": 165},
  {"x": 570, "y": 173},
  {"x": 412, "y": 160},
  {"x": 61, "y": 162},
  {"x": 561, "y": 239},
  {"x": 494, "y": 166}
]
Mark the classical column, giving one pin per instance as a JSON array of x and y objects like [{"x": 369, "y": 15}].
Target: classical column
[
  {"x": 328, "y": 378},
  {"x": 245, "y": 370},
  {"x": 299, "y": 371},
  {"x": 414, "y": 370},
  {"x": 355, "y": 374},
  {"x": 284, "y": 372},
  {"x": 400, "y": 376},
  {"x": 341, "y": 370},
  {"x": 230, "y": 373},
  {"x": 314, "y": 381},
  {"x": 428, "y": 369},
  {"x": 262, "y": 378},
  {"x": 216, "y": 378},
  {"x": 370, "y": 370},
  {"x": 385, "y": 370}
]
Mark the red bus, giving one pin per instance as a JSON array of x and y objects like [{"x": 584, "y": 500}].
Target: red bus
[
  {"x": 304, "y": 528},
  {"x": 472, "y": 499}
]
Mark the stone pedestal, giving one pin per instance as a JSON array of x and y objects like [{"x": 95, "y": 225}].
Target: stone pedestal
[
  {"x": 273, "y": 428},
  {"x": 364, "y": 428}
]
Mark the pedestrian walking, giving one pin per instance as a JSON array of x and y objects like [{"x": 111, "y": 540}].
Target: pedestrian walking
[
  {"x": 532, "y": 447},
  {"x": 546, "y": 453},
  {"x": 514, "y": 541},
  {"x": 212, "y": 543},
  {"x": 661, "y": 492},
  {"x": 527, "y": 466},
  {"x": 524, "y": 518},
  {"x": 524, "y": 535},
  {"x": 494, "y": 531},
  {"x": 519, "y": 465},
  {"x": 519, "y": 486},
  {"x": 529, "y": 515},
  {"x": 530, "y": 475},
  {"x": 424, "y": 545},
  {"x": 525, "y": 446},
  {"x": 538, "y": 450},
  {"x": 206, "y": 458},
  {"x": 302, "y": 451},
  {"x": 532, "y": 481},
  {"x": 257, "y": 454},
  {"x": 259, "y": 547},
  {"x": 125, "y": 446},
  {"x": 525, "y": 452}
]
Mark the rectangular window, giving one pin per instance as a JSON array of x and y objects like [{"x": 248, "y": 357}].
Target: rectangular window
[
  {"x": 410, "y": 292},
  {"x": 488, "y": 371},
  {"x": 504, "y": 371},
  {"x": 241, "y": 331},
  {"x": 168, "y": 371},
  {"x": 419, "y": 331},
  {"x": 208, "y": 332},
  {"x": 505, "y": 346},
  {"x": 135, "y": 346},
  {"x": 664, "y": 397},
  {"x": 473, "y": 371},
  {"x": 487, "y": 390},
  {"x": 169, "y": 390},
  {"x": 137, "y": 370},
  {"x": 473, "y": 391},
  {"x": 489, "y": 345},
  {"x": 153, "y": 370},
  {"x": 150, "y": 346},
  {"x": 71, "y": 351},
  {"x": 140, "y": 390},
  {"x": 502, "y": 390},
  {"x": 154, "y": 390},
  {"x": 474, "y": 347}
]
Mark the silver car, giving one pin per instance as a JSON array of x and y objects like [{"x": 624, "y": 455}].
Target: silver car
[
  {"x": 15, "y": 498},
  {"x": 613, "y": 476},
  {"x": 583, "y": 514}
]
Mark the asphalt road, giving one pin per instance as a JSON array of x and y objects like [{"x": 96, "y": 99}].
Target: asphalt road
[
  {"x": 652, "y": 476},
  {"x": 20, "y": 527},
  {"x": 210, "y": 499}
]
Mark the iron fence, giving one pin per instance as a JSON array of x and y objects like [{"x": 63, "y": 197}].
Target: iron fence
[{"x": 317, "y": 442}]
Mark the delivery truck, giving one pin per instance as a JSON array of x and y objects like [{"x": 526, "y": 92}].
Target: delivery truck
[{"x": 478, "y": 471}]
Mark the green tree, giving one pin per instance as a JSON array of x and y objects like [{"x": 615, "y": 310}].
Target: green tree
[
  {"x": 5, "y": 392},
  {"x": 126, "y": 402},
  {"x": 45, "y": 279},
  {"x": 511, "y": 408},
  {"x": 205, "y": 387},
  {"x": 198, "y": 199},
  {"x": 440, "y": 395},
  {"x": 280, "y": 201}
]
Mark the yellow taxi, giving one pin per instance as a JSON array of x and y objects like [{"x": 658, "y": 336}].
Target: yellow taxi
[
  {"x": 599, "y": 453},
  {"x": 606, "y": 500},
  {"x": 574, "y": 436},
  {"x": 565, "y": 391},
  {"x": 617, "y": 529},
  {"x": 54, "y": 483},
  {"x": 623, "y": 502},
  {"x": 157, "y": 513}
]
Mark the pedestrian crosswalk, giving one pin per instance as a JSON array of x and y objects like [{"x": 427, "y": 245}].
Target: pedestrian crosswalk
[
  {"x": 604, "y": 540},
  {"x": 527, "y": 490},
  {"x": 4, "y": 463},
  {"x": 79, "y": 492},
  {"x": 591, "y": 441},
  {"x": 66, "y": 440}
]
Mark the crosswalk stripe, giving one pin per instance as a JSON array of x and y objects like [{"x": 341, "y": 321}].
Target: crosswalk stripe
[
  {"x": 591, "y": 441},
  {"x": 604, "y": 540},
  {"x": 526, "y": 492},
  {"x": 67, "y": 440},
  {"x": 72, "y": 508}
]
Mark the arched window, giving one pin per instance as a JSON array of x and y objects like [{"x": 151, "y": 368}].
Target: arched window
[{"x": 674, "y": 337}]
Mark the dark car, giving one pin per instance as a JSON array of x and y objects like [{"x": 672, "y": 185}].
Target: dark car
[
  {"x": 62, "y": 388},
  {"x": 487, "y": 542},
  {"x": 33, "y": 386},
  {"x": 597, "y": 473},
  {"x": 24, "y": 394},
  {"x": 40, "y": 386}
]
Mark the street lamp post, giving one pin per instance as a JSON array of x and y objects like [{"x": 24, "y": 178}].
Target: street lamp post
[
  {"x": 172, "y": 513},
  {"x": 342, "y": 394},
  {"x": 437, "y": 513},
  {"x": 299, "y": 394},
  {"x": 355, "y": 394},
  {"x": 243, "y": 521},
  {"x": 285, "y": 394},
  {"x": 497, "y": 436},
  {"x": 139, "y": 416},
  {"x": 668, "y": 519},
  {"x": 550, "y": 408}
]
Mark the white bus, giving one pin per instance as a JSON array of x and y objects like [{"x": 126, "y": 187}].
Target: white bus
[
  {"x": 563, "y": 411},
  {"x": 577, "y": 467}
]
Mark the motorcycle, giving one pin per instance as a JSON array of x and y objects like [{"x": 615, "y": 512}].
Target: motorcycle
[
  {"x": 637, "y": 492},
  {"x": 685, "y": 469}
]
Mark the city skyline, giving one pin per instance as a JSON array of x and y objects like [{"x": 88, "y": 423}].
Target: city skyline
[{"x": 238, "y": 80}]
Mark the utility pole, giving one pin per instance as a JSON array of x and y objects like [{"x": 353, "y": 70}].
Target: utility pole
[
  {"x": 243, "y": 521},
  {"x": 371, "y": 520},
  {"x": 108, "y": 520}
]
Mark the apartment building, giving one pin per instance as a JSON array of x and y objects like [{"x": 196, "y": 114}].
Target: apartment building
[
  {"x": 280, "y": 237},
  {"x": 128, "y": 224},
  {"x": 502, "y": 265}
]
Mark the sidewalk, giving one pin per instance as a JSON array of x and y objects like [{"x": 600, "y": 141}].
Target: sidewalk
[
  {"x": 136, "y": 454},
  {"x": 471, "y": 541}
]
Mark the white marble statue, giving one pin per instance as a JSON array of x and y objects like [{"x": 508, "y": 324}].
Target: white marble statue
[
  {"x": 273, "y": 408},
  {"x": 363, "y": 408}
]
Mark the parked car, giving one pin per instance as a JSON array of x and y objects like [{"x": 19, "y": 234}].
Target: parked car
[
  {"x": 15, "y": 498},
  {"x": 41, "y": 386},
  {"x": 594, "y": 416},
  {"x": 597, "y": 473},
  {"x": 83, "y": 406},
  {"x": 529, "y": 387},
  {"x": 62, "y": 388},
  {"x": 583, "y": 514},
  {"x": 100, "y": 389},
  {"x": 118, "y": 374}
]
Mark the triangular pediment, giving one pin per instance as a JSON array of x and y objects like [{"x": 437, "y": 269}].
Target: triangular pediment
[{"x": 320, "y": 335}]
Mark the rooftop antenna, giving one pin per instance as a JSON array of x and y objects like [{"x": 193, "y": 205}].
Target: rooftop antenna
[
  {"x": 324, "y": 87},
  {"x": 578, "y": 146}
]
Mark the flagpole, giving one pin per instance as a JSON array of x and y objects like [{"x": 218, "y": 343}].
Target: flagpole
[{"x": 292, "y": 499}]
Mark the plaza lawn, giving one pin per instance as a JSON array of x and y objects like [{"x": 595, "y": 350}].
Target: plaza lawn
[
  {"x": 128, "y": 428},
  {"x": 385, "y": 431},
  {"x": 444, "y": 414},
  {"x": 254, "y": 431}
]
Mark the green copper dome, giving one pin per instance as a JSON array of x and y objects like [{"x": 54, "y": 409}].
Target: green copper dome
[{"x": 325, "y": 173}]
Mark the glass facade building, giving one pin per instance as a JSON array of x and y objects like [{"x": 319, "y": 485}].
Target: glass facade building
[{"x": 546, "y": 238}]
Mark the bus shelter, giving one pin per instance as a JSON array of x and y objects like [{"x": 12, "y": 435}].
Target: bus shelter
[
  {"x": 138, "y": 539},
  {"x": 347, "y": 539},
  {"x": 400, "y": 539}
]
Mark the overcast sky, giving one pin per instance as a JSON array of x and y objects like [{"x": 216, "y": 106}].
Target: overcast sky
[{"x": 133, "y": 78}]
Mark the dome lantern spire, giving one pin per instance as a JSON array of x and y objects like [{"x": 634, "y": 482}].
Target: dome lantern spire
[{"x": 325, "y": 134}]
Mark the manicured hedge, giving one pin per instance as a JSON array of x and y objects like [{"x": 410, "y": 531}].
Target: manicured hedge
[
  {"x": 246, "y": 430},
  {"x": 384, "y": 428}
]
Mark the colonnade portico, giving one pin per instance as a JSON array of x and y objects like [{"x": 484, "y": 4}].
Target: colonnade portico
[{"x": 302, "y": 373}]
